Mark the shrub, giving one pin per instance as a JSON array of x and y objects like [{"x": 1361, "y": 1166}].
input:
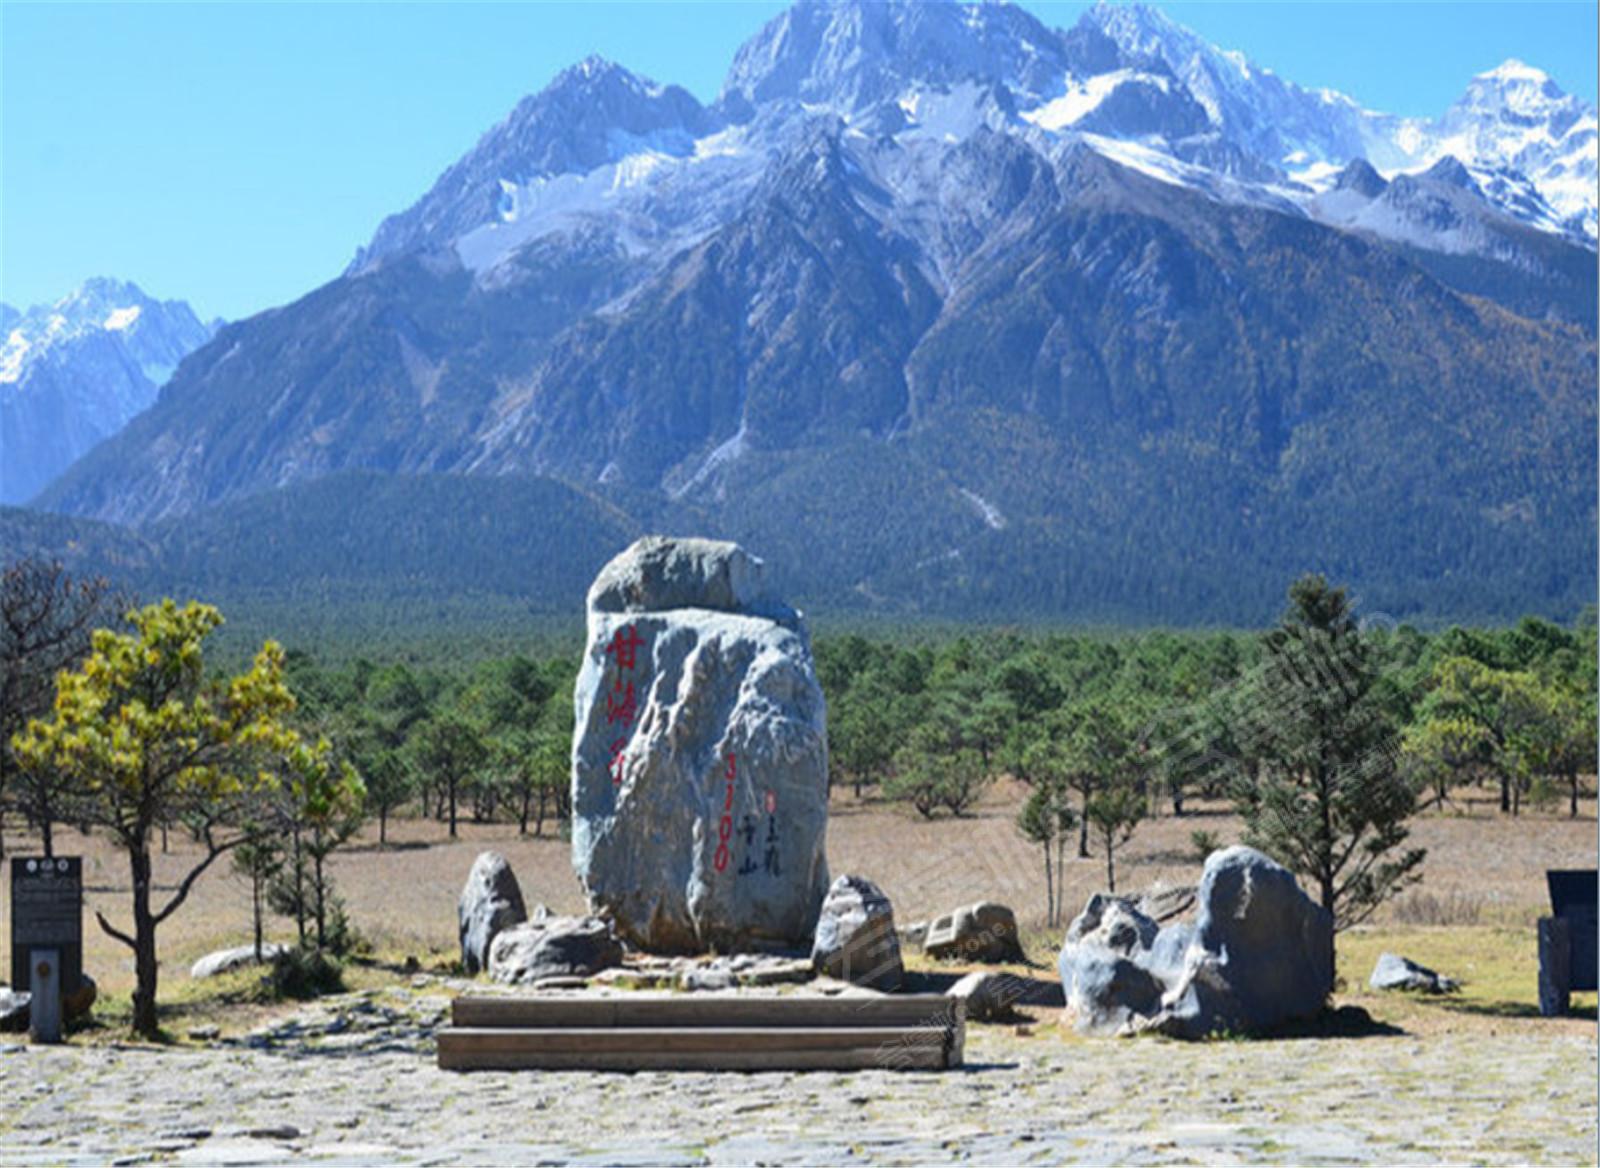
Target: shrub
[
  {"x": 304, "y": 972},
  {"x": 1202, "y": 844}
]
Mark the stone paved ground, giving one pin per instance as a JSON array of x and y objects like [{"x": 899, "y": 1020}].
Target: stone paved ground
[{"x": 353, "y": 1082}]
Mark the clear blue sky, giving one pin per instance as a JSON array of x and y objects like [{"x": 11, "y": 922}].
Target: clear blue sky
[{"x": 235, "y": 154}]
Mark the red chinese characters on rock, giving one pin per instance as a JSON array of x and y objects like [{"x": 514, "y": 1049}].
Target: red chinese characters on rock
[
  {"x": 725, "y": 827},
  {"x": 622, "y": 704}
]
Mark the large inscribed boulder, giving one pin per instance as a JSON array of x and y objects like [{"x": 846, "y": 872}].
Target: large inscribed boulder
[{"x": 699, "y": 757}]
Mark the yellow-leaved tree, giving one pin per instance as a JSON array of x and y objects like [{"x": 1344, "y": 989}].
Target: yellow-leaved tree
[{"x": 141, "y": 737}]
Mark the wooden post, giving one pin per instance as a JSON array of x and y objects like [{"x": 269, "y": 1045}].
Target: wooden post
[
  {"x": 44, "y": 1010},
  {"x": 1555, "y": 965}
]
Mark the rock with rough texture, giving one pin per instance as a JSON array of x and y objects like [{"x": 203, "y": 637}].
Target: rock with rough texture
[
  {"x": 553, "y": 947},
  {"x": 77, "y": 1003},
  {"x": 227, "y": 960},
  {"x": 1107, "y": 925},
  {"x": 1393, "y": 972},
  {"x": 855, "y": 940},
  {"x": 490, "y": 903},
  {"x": 979, "y": 932},
  {"x": 14, "y": 1010},
  {"x": 1259, "y": 954},
  {"x": 990, "y": 997},
  {"x": 699, "y": 762}
]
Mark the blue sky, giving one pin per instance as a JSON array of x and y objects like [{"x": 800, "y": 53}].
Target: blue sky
[{"x": 235, "y": 155}]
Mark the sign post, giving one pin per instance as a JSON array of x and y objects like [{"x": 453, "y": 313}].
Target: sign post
[{"x": 47, "y": 914}]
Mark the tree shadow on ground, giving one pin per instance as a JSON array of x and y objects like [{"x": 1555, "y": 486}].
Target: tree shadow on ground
[{"x": 1504, "y": 1009}]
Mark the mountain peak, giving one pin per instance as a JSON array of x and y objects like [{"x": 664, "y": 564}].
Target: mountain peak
[
  {"x": 850, "y": 54},
  {"x": 1515, "y": 71}
]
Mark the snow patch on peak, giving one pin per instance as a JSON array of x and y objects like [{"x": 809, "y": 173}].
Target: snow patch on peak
[
  {"x": 121, "y": 318},
  {"x": 1083, "y": 97},
  {"x": 1512, "y": 69}
]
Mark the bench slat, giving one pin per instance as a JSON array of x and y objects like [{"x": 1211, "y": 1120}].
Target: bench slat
[{"x": 703, "y": 1010}]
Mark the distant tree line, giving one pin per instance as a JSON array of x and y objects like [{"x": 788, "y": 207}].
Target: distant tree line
[{"x": 1324, "y": 735}]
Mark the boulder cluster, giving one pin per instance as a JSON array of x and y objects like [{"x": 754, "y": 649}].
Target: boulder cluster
[{"x": 1259, "y": 954}]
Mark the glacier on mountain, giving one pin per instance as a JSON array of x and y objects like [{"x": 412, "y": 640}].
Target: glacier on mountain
[{"x": 645, "y": 163}]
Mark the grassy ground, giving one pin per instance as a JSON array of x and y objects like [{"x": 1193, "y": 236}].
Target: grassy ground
[{"x": 1472, "y": 917}]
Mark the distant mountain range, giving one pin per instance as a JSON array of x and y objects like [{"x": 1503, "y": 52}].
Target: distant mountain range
[
  {"x": 949, "y": 312},
  {"x": 72, "y": 373}
]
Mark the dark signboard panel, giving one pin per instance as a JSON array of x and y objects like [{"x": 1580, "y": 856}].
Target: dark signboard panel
[
  {"x": 47, "y": 913},
  {"x": 1573, "y": 896}
]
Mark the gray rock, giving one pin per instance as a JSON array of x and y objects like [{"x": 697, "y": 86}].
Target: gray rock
[
  {"x": 699, "y": 763},
  {"x": 14, "y": 1010},
  {"x": 77, "y": 1003},
  {"x": 855, "y": 939},
  {"x": 1107, "y": 925},
  {"x": 553, "y": 947},
  {"x": 1393, "y": 972},
  {"x": 990, "y": 997},
  {"x": 1162, "y": 904},
  {"x": 490, "y": 903},
  {"x": 915, "y": 933},
  {"x": 979, "y": 932},
  {"x": 711, "y": 977},
  {"x": 1259, "y": 954},
  {"x": 227, "y": 960}
]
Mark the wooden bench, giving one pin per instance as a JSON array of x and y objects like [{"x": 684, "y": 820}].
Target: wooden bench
[
  {"x": 1567, "y": 939},
  {"x": 636, "y": 1032}
]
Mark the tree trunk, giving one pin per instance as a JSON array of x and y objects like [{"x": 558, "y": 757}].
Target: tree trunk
[
  {"x": 322, "y": 900},
  {"x": 538, "y": 823},
  {"x": 1111, "y": 866},
  {"x": 383, "y": 824},
  {"x": 1083, "y": 831},
  {"x": 144, "y": 948},
  {"x": 299, "y": 891},
  {"x": 527, "y": 798},
  {"x": 1505, "y": 793},
  {"x": 1572, "y": 777},
  {"x": 1049, "y": 889},
  {"x": 47, "y": 835},
  {"x": 255, "y": 907},
  {"x": 451, "y": 783}
]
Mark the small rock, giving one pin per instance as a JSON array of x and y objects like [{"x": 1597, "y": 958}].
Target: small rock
[
  {"x": 632, "y": 979},
  {"x": 80, "y": 1001},
  {"x": 915, "y": 933},
  {"x": 490, "y": 903},
  {"x": 554, "y": 947},
  {"x": 855, "y": 938},
  {"x": 777, "y": 971},
  {"x": 14, "y": 1010},
  {"x": 984, "y": 932},
  {"x": 711, "y": 977},
  {"x": 1393, "y": 972},
  {"x": 990, "y": 997},
  {"x": 1162, "y": 904},
  {"x": 204, "y": 1033},
  {"x": 226, "y": 960}
]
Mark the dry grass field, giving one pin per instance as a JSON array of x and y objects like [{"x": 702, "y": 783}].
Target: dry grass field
[{"x": 1471, "y": 917}]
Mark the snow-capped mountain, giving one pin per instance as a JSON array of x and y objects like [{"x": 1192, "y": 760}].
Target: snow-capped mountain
[
  {"x": 74, "y": 372},
  {"x": 935, "y": 300},
  {"x": 652, "y": 171},
  {"x": 1530, "y": 147}
]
